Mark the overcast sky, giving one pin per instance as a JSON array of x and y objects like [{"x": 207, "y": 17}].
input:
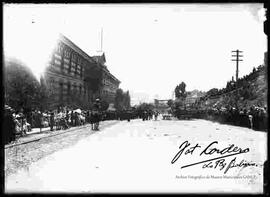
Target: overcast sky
[{"x": 150, "y": 48}]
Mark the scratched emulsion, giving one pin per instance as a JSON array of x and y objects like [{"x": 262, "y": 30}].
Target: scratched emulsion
[{"x": 136, "y": 157}]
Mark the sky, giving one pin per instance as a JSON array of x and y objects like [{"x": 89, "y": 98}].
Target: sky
[{"x": 150, "y": 48}]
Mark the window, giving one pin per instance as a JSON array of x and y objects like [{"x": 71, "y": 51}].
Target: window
[
  {"x": 67, "y": 53},
  {"x": 81, "y": 71},
  {"x": 60, "y": 48},
  {"x": 73, "y": 57}
]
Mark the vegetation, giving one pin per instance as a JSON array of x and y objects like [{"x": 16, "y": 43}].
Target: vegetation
[
  {"x": 248, "y": 90},
  {"x": 145, "y": 107},
  {"x": 22, "y": 90},
  {"x": 122, "y": 100},
  {"x": 180, "y": 91}
]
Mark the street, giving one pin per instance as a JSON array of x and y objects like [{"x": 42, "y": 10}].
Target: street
[{"x": 136, "y": 156}]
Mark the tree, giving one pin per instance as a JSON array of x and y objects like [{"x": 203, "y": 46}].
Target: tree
[
  {"x": 170, "y": 103},
  {"x": 22, "y": 89},
  {"x": 122, "y": 100},
  {"x": 104, "y": 105},
  {"x": 212, "y": 92},
  {"x": 145, "y": 107},
  {"x": 180, "y": 91},
  {"x": 118, "y": 99},
  {"x": 127, "y": 100}
]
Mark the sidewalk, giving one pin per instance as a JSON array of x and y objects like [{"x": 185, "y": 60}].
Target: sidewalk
[
  {"x": 37, "y": 130},
  {"x": 35, "y": 134}
]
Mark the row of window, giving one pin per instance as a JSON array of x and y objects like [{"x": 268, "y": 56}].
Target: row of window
[
  {"x": 68, "y": 68},
  {"x": 108, "y": 83},
  {"x": 68, "y": 53},
  {"x": 67, "y": 89},
  {"x": 107, "y": 92}
]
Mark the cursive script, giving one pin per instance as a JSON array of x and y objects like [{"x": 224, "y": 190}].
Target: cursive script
[
  {"x": 209, "y": 150},
  {"x": 187, "y": 149},
  {"x": 222, "y": 164}
]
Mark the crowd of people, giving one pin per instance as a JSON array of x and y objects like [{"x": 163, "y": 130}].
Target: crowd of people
[
  {"x": 17, "y": 123},
  {"x": 255, "y": 117}
]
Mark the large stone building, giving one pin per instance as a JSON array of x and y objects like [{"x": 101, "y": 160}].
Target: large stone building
[
  {"x": 75, "y": 79},
  {"x": 109, "y": 82}
]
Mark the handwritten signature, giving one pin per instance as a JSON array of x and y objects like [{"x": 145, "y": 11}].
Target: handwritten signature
[{"x": 218, "y": 162}]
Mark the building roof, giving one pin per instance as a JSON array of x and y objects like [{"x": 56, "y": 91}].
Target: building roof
[
  {"x": 100, "y": 58},
  {"x": 76, "y": 48}
]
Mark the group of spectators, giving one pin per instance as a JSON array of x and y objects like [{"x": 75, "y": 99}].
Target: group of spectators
[
  {"x": 255, "y": 117},
  {"x": 19, "y": 123}
]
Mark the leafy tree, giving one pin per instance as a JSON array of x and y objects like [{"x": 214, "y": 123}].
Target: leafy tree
[
  {"x": 122, "y": 100},
  {"x": 118, "y": 99},
  {"x": 22, "y": 89},
  {"x": 104, "y": 105},
  {"x": 127, "y": 100},
  {"x": 145, "y": 106},
  {"x": 212, "y": 92},
  {"x": 180, "y": 91},
  {"x": 170, "y": 103}
]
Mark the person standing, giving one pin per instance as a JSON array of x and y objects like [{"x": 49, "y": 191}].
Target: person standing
[
  {"x": 97, "y": 115},
  {"x": 72, "y": 118},
  {"x": 91, "y": 119},
  {"x": 250, "y": 116},
  {"x": 156, "y": 115},
  {"x": 52, "y": 121},
  {"x": 76, "y": 119}
]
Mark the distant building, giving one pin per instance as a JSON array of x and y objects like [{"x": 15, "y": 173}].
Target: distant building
[
  {"x": 161, "y": 105},
  {"x": 74, "y": 77},
  {"x": 193, "y": 97}
]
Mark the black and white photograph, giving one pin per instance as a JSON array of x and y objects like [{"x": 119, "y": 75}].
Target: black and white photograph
[{"x": 135, "y": 98}]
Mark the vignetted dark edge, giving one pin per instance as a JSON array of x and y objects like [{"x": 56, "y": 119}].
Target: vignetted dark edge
[{"x": 266, "y": 5}]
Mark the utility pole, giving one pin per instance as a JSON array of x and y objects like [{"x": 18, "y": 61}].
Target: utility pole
[
  {"x": 237, "y": 55},
  {"x": 101, "y": 40}
]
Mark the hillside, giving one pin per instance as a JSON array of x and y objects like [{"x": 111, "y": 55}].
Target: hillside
[{"x": 248, "y": 91}]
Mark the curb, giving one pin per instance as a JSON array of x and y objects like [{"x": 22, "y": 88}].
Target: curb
[{"x": 37, "y": 139}]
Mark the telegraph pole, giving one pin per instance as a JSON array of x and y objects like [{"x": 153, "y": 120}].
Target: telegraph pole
[
  {"x": 101, "y": 40},
  {"x": 237, "y": 55}
]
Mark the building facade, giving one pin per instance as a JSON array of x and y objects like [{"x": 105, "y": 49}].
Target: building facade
[
  {"x": 73, "y": 78},
  {"x": 109, "y": 82}
]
